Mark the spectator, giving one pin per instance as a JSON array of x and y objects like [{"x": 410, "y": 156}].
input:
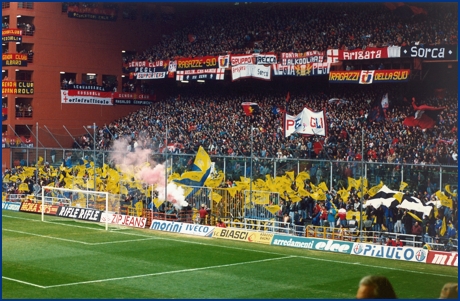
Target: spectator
[
  {"x": 220, "y": 224},
  {"x": 375, "y": 287},
  {"x": 449, "y": 291},
  {"x": 398, "y": 242},
  {"x": 203, "y": 212}
]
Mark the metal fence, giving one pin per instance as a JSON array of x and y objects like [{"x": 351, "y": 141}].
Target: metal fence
[{"x": 333, "y": 173}]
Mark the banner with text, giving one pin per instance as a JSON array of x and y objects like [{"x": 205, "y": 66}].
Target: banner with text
[
  {"x": 17, "y": 87},
  {"x": 86, "y": 214},
  {"x": 122, "y": 98},
  {"x": 12, "y": 35},
  {"x": 254, "y": 71},
  {"x": 205, "y": 62},
  {"x": 183, "y": 228},
  {"x": 243, "y": 235},
  {"x": 440, "y": 52},
  {"x": 301, "y": 58},
  {"x": 123, "y": 220},
  {"x": 149, "y": 70},
  {"x": 390, "y": 252},
  {"x": 32, "y": 207},
  {"x": 319, "y": 244},
  {"x": 306, "y": 123},
  {"x": 11, "y": 206},
  {"x": 201, "y": 74},
  {"x": 310, "y": 69},
  {"x": 14, "y": 59},
  {"x": 442, "y": 258},
  {"x": 365, "y": 77},
  {"x": 93, "y": 13},
  {"x": 86, "y": 97}
]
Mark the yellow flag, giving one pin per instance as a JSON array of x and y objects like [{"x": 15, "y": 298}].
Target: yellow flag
[
  {"x": 303, "y": 176},
  {"x": 157, "y": 202},
  {"x": 323, "y": 186},
  {"x": 202, "y": 161},
  {"x": 414, "y": 216},
  {"x": 318, "y": 195},
  {"x": 443, "y": 227},
  {"x": 232, "y": 191},
  {"x": 373, "y": 190},
  {"x": 290, "y": 175},
  {"x": 23, "y": 187},
  {"x": 402, "y": 186},
  {"x": 216, "y": 197},
  {"x": 273, "y": 208},
  {"x": 447, "y": 188},
  {"x": 445, "y": 201},
  {"x": 398, "y": 196}
]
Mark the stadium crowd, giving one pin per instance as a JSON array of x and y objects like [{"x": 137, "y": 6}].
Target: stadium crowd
[
  {"x": 300, "y": 27},
  {"x": 212, "y": 117}
]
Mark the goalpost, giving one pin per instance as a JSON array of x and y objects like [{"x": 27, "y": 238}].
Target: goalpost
[{"x": 86, "y": 205}]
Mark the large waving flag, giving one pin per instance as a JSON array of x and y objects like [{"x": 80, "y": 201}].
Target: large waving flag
[
  {"x": 392, "y": 198},
  {"x": 200, "y": 170},
  {"x": 425, "y": 116},
  {"x": 306, "y": 123}
]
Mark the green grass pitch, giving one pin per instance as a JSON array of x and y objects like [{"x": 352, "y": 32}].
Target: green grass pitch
[{"x": 62, "y": 259}]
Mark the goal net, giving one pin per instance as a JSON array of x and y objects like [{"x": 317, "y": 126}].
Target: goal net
[{"x": 84, "y": 205}]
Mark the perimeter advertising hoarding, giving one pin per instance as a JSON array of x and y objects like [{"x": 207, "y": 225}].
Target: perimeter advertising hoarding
[
  {"x": 330, "y": 245},
  {"x": 442, "y": 258},
  {"x": 12, "y": 206},
  {"x": 243, "y": 235},
  {"x": 32, "y": 207},
  {"x": 183, "y": 228},
  {"x": 123, "y": 220},
  {"x": 390, "y": 252},
  {"x": 86, "y": 214}
]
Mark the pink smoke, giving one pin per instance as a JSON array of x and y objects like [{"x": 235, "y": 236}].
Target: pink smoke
[{"x": 154, "y": 174}]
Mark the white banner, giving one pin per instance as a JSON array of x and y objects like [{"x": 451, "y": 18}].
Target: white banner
[
  {"x": 183, "y": 228},
  {"x": 123, "y": 220},
  {"x": 150, "y": 75},
  {"x": 256, "y": 71},
  {"x": 265, "y": 59},
  {"x": 306, "y": 123},
  {"x": 86, "y": 97},
  {"x": 395, "y": 253}
]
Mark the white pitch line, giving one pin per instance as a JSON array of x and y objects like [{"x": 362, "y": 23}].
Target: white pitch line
[
  {"x": 166, "y": 273},
  {"x": 46, "y": 236},
  {"x": 77, "y": 241},
  {"x": 266, "y": 252},
  {"x": 120, "y": 241},
  {"x": 23, "y": 282}
]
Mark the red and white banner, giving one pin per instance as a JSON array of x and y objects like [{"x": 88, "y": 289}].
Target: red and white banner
[
  {"x": 124, "y": 220},
  {"x": 255, "y": 71},
  {"x": 86, "y": 97},
  {"x": 242, "y": 59},
  {"x": 442, "y": 258},
  {"x": 306, "y": 123}
]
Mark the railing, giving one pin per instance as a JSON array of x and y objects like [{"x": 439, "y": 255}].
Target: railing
[{"x": 331, "y": 172}]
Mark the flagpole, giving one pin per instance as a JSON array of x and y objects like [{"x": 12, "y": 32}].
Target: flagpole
[
  {"x": 166, "y": 166},
  {"x": 362, "y": 187},
  {"x": 250, "y": 173}
]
